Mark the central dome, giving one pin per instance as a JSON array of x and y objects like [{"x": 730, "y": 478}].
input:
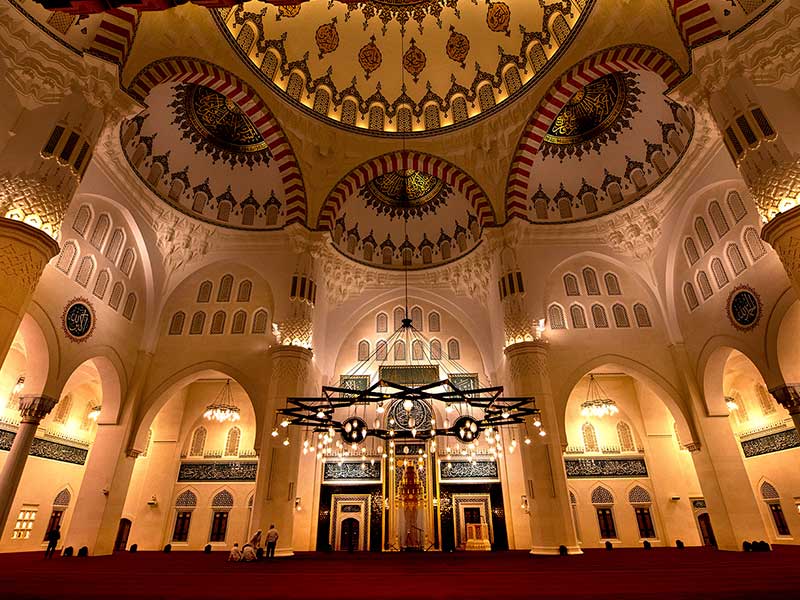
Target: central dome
[{"x": 401, "y": 66}]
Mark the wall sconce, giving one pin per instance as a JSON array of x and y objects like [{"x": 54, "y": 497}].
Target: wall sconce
[
  {"x": 538, "y": 329},
  {"x": 435, "y": 502},
  {"x": 525, "y": 506},
  {"x": 297, "y": 505},
  {"x": 153, "y": 501}
]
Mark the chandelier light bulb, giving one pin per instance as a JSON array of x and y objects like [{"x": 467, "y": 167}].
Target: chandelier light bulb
[
  {"x": 408, "y": 405},
  {"x": 542, "y": 433},
  {"x": 380, "y": 410},
  {"x": 321, "y": 414},
  {"x": 449, "y": 408},
  {"x": 274, "y": 433},
  {"x": 537, "y": 423},
  {"x": 731, "y": 404},
  {"x": 505, "y": 414},
  {"x": 286, "y": 441},
  {"x": 284, "y": 423},
  {"x": 527, "y": 441}
]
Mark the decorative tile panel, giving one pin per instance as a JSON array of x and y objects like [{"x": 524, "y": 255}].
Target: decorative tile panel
[
  {"x": 578, "y": 468},
  {"x": 462, "y": 471},
  {"x": 351, "y": 472},
  {"x": 774, "y": 442},
  {"x": 47, "y": 449},
  {"x": 218, "y": 471}
]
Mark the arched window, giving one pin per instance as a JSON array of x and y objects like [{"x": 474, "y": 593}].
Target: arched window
[
  {"x": 101, "y": 284},
  {"x": 232, "y": 442},
  {"x": 138, "y": 155},
  {"x": 63, "y": 409},
  {"x": 589, "y": 438},
  {"x": 416, "y": 317},
  {"x": 239, "y": 324},
  {"x": 513, "y": 82},
  {"x": 126, "y": 264},
  {"x": 560, "y": 28},
  {"x": 198, "y": 442},
  {"x": 417, "y": 352},
  {"x": 718, "y": 269},
  {"x": 225, "y": 286},
  {"x": 571, "y": 285},
  {"x": 718, "y": 218},
  {"x": 221, "y": 506},
  {"x": 204, "y": 292},
  {"x": 116, "y": 295},
  {"x": 436, "y": 350},
  {"x": 599, "y": 316},
  {"x": 81, "y": 223},
  {"x": 67, "y": 257},
  {"x": 115, "y": 245},
  {"x": 187, "y": 498},
  {"x": 62, "y": 499},
  {"x": 85, "y": 269},
  {"x": 363, "y": 350},
  {"x": 641, "y": 315},
  {"x": 601, "y": 495},
  {"x": 453, "y": 350},
  {"x": 434, "y": 322},
  {"x": 246, "y": 37},
  {"x": 248, "y": 215},
  {"x": 770, "y": 495},
  {"x": 615, "y": 193},
  {"x": 702, "y": 233},
  {"x": 399, "y": 350},
  {"x": 675, "y": 142},
  {"x": 768, "y": 492},
  {"x": 639, "y": 495},
  {"x": 736, "y": 206},
  {"x": 620, "y": 316},
  {"x": 625, "y": 437},
  {"x": 589, "y": 202},
  {"x": 690, "y": 248},
  {"x": 381, "y": 351},
  {"x": 537, "y": 57},
  {"x": 224, "y": 210},
  {"x": 578, "y": 316},
  {"x": 754, "y": 246},
  {"x": 381, "y": 323},
  {"x": 100, "y": 231},
  {"x": 555, "y": 317},
  {"x": 704, "y": 285},
  {"x": 245, "y": 289},
  {"x": 637, "y": 177},
  {"x": 218, "y": 323},
  {"x": 612, "y": 284},
  {"x": 198, "y": 323},
  {"x": 175, "y": 190},
  {"x": 130, "y": 306},
  {"x": 540, "y": 207},
  {"x": 735, "y": 259},
  {"x": 660, "y": 162},
  {"x": 260, "y": 321},
  {"x": 176, "y": 323},
  {"x": 156, "y": 171},
  {"x": 564, "y": 208},
  {"x": 690, "y": 295},
  {"x": 590, "y": 281},
  {"x": 399, "y": 315},
  {"x": 765, "y": 399},
  {"x": 199, "y": 203}
]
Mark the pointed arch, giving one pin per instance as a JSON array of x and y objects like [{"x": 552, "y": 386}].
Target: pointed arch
[
  {"x": 381, "y": 323},
  {"x": 602, "y": 495}
]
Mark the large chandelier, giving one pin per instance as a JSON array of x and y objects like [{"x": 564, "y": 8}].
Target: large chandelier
[
  {"x": 223, "y": 408},
  {"x": 597, "y": 403}
]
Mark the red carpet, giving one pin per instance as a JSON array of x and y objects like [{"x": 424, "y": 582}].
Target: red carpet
[{"x": 694, "y": 573}]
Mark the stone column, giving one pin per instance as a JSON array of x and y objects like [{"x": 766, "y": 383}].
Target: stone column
[
  {"x": 548, "y": 498},
  {"x": 24, "y": 251},
  {"x": 276, "y": 482},
  {"x": 33, "y": 409},
  {"x": 788, "y": 396}
]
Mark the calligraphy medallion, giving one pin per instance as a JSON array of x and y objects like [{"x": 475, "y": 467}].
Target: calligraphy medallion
[
  {"x": 744, "y": 308},
  {"x": 78, "y": 320}
]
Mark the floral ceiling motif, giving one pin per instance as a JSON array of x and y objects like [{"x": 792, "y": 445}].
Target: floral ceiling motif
[
  {"x": 423, "y": 193},
  {"x": 345, "y": 62}
]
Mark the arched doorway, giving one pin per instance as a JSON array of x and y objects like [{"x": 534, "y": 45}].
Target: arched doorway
[
  {"x": 124, "y": 530},
  {"x": 349, "y": 536},
  {"x": 706, "y": 531}
]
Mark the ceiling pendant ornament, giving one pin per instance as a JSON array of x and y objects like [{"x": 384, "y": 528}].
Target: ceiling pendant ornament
[
  {"x": 327, "y": 38},
  {"x": 597, "y": 404},
  {"x": 457, "y": 47},
  {"x": 370, "y": 57},
  {"x": 594, "y": 116},
  {"x": 414, "y": 61},
  {"x": 498, "y": 17},
  {"x": 423, "y": 194},
  {"x": 217, "y": 127}
]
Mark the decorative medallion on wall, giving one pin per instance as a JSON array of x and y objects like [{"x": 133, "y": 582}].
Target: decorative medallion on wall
[
  {"x": 744, "y": 308},
  {"x": 78, "y": 320},
  {"x": 216, "y": 126},
  {"x": 594, "y": 116},
  {"x": 425, "y": 193},
  {"x": 370, "y": 57},
  {"x": 327, "y": 38},
  {"x": 419, "y": 417},
  {"x": 498, "y": 17},
  {"x": 414, "y": 60},
  {"x": 457, "y": 47}
]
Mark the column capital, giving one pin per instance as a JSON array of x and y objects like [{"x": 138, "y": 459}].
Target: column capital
[
  {"x": 288, "y": 351},
  {"x": 788, "y": 396},
  {"x": 35, "y": 408},
  {"x": 534, "y": 347}
]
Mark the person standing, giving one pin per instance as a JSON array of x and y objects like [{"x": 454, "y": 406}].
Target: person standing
[
  {"x": 272, "y": 541},
  {"x": 52, "y": 541}
]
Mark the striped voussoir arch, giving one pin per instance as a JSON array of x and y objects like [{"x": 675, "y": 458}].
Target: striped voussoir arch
[
  {"x": 612, "y": 60},
  {"x": 696, "y": 21},
  {"x": 387, "y": 163},
  {"x": 192, "y": 70},
  {"x": 114, "y": 36}
]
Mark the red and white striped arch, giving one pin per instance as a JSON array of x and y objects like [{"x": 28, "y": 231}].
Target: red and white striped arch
[
  {"x": 696, "y": 21},
  {"x": 114, "y": 36},
  {"x": 605, "y": 62},
  {"x": 192, "y": 70},
  {"x": 425, "y": 163}
]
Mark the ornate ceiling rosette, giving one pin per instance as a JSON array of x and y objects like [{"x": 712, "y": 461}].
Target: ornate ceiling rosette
[
  {"x": 217, "y": 127},
  {"x": 423, "y": 194},
  {"x": 593, "y": 117},
  {"x": 467, "y": 58}
]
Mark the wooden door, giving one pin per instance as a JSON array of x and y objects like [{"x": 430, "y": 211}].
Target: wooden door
[
  {"x": 706, "y": 531},
  {"x": 122, "y": 535},
  {"x": 349, "y": 535}
]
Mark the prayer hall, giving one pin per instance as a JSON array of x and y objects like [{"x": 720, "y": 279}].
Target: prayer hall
[{"x": 442, "y": 299}]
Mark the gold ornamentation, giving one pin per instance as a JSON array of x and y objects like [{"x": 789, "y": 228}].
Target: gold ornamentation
[
  {"x": 38, "y": 203},
  {"x": 401, "y": 11},
  {"x": 289, "y": 11},
  {"x": 220, "y": 121},
  {"x": 744, "y": 308},
  {"x": 498, "y": 17},
  {"x": 424, "y": 193},
  {"x": 457, "y": 47},
  {"x": 327, "y": 38},
  {"x": 370, "y": 57}
]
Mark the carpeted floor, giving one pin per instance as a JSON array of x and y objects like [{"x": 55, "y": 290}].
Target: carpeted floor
[{"x": 695, "y": 573}]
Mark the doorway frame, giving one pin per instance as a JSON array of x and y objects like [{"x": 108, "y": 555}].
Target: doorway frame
[
  {"x": 461, "y": 501},
  {"x": 363, "y": 516}
]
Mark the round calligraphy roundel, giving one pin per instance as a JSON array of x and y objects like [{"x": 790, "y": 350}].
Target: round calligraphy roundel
[
  {"x": 78, "y": 319},
  {"x": 744, "y": 308}
]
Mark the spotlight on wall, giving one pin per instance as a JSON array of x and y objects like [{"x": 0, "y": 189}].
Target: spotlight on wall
[
  {"x": 524, "y": 505},
  {"x": 95, "y": 412},
  {"x": 731, "y": 404},
  {"x": 297, "y": 504},
  {"x": 153, "y": 501}
]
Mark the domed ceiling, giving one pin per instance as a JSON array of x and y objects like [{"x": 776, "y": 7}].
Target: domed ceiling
[
  {"x": 197, "y": 151},
  {"x": 406, "y": 210},
  {"x": 460, "y": 58},
  {"x": 610, "y": 145}
]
